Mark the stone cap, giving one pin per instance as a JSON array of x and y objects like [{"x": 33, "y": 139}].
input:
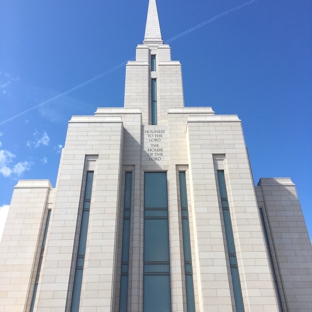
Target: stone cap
[
  {"x": 213, "y": 118},
  {"x": 169, "y": 63},
  {"x": 191, "y": 110},
  {"x": 117, "y": 110},
  {"x": 95, "y": 119},
  {"x": 33, "y": 184},
  {"x": 275, "y": 181}
]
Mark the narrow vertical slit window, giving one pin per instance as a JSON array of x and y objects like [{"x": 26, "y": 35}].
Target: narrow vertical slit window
[
  {"x": 82, "y": 243},
  {"x": 156, "y": 288},
  {"x": 189, "y": 286},
  {"x": 123, "y": 300},
  {"x": 230, "y": 243},
  {"x": 153, "y": 62},
  {"x": 279, "y": 300},
  {"x": 154, "y": 101},
  {"x": 33, "y": 300}
]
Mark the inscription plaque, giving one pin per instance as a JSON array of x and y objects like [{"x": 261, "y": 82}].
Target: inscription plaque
[{"x": 155, "y": 143}]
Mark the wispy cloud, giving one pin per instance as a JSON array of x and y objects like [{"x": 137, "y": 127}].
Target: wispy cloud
[
  {"x": 6, "y": 158},
  {"x": 4, "y": 85},
  {"x": 6, "y": 81},
  {"x": 3, "y": 216},
  {"x": 8, "y": 168},
  {"x": 59, "y": 148},
  {"x": 44, "y": 160},
  {"x": 43, "y": 139},
  {"x": 20, "y": 167}
]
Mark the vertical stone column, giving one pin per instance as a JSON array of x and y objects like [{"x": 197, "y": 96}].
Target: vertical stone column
[
  {"x": 209, "y": 136},
  {"x": 175, "y": 244},
  {"x": 169, "y": 88},
  {"x": 137, "y": 86},
  {"x": 21, "y": 243},
  {"x": 289, "y": 239},
  {"x": 102, "y": 138}
]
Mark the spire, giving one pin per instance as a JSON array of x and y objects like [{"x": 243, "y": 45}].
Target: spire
[{"x": 152, "y": 30}]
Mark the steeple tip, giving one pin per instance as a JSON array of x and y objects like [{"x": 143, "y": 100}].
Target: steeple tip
[{"x": 152, "y": 30}]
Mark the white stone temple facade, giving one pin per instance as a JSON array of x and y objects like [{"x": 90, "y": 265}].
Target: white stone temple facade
[{"x": 155, "y": 210}]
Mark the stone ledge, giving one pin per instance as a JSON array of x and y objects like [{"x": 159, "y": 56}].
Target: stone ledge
[
  {"x": 117, "y": 110},
  {"x": 169, "y": 63},
  {"x": 137, "y": 63},
  {"x": 214, "y": 118},
  {"x": 164, "y": 46},
  {"x": 154, "y": 75},
  {"x": 276, "y": 181},
  {"x": 33, "y": 184},
  {"x": 152, "y": 41},
  {"x": 191, "y": 110},
  {"x": 96, "y": 119}
]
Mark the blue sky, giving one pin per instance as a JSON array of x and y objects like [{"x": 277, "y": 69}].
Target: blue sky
[{"x": 254, "y": 62}]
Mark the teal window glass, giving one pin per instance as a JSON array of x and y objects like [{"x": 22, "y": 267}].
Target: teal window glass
[
  {"x": 123, "y": 302},
  {"x": 83, "y": 233},
  {"x": 82, "y": 243},
  {"x": 128, "y": 190},
  {"x": 154, "y": 101},
  {"x": 123, "y": 299},
  {"x": 155, "y": 190},
  {"x": 46, "y": 228},
  {"x": 125, "y": 240},
  {"x": 77, "y": 290},
  {"x": 238, "y": 297},
  {"x": 188, "y": 268},
  {"x": 156, "y": 268},
  {"x": 186, "y": 240},
  {"x": 190, "y": 303},
  {"x": 156, "y": 243},
  {"x": 156, "y": 293},
  {"x": 156, "y": 282},
  {"x": 156, "y": 213},
  {"x": 33, "y": 300},
  {"x": 228, "y": 231},
  {"x": 88, "y": 186},
  {"x": 237, "y": 289},
  {"x": 277, "y": 290},
  {"x": 189, "y": 287},
  {"x": 153, "y": 62},
  {"x": 183, "y": 195}
]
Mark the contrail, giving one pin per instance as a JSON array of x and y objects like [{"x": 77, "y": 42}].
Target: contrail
[
  {"x": 124, "y": 63},
  {"x": 210, "y": 20},
  {"x": 64, "y": 93}
]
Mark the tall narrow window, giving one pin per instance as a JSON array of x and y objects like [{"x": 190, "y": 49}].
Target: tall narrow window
[
  {"x": 271, "y": 261},
  {"x": 156, "y": 289},
  {"x": 33, "y": 300},
  {"x": 125, "y": 244},
  {"x": 153, "y": 62},
  {"x": 230, "y": 243},
  {"x": 82, "y": 243},
  {"x": 186, "y": 245},
  {"x": 154, "y": 101}
]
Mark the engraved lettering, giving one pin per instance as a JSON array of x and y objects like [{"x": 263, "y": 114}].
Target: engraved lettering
[{"x": 154, "y": 144}]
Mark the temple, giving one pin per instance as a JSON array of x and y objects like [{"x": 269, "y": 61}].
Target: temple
[{"x": 155, "y": 210}]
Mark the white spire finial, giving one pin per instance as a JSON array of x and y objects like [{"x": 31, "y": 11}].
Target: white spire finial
[{"x": 152, "y": 30}]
